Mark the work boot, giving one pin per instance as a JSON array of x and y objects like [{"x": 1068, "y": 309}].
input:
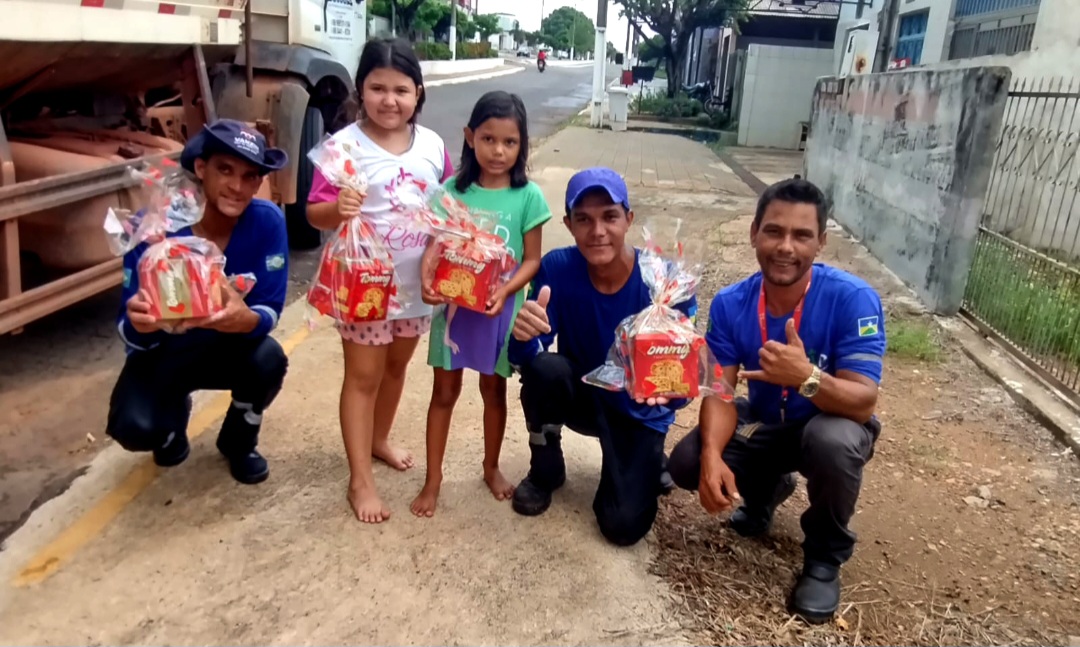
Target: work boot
[
  {"x": 547, "y": 473},
  {"x": 816, "y": 595},
  {"x": 236, "y": 442},
  {"x": 667, "y": 484},
  {"x": 177, "y": 447},
  {"x": 175, "y": 450},
  {"x": 753, "y": 521}
]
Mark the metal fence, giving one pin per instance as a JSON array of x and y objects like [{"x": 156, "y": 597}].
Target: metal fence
[{"x": 1024, "y": 286}]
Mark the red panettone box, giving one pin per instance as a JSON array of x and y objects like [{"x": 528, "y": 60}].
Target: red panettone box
[
  {"x": 353, "y": 292},
  {"x": 182, "y": 284},
  {"x": 663, "y": 364},
  {"x": 466, "y": 280}
]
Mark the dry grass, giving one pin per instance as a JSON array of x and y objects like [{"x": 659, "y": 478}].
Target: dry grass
[{"x": 735, "y": 590}]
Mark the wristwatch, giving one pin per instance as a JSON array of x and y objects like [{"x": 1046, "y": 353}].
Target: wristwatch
[{"x": 809, "y": 388}]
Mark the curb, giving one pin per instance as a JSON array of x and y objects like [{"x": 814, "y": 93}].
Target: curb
[
  {"x": 1026, "y": 389},
  {"x": 473, "y": 77}
]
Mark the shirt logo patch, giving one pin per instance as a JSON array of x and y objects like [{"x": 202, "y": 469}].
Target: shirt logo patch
[
  {"x": 275, "y": 262},
  {"x": 127, "y": 278},
  {"x": 868, "y": 327}
]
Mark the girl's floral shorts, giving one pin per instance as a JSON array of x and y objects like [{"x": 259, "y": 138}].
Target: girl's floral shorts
[{"x": 382, "y": 333}]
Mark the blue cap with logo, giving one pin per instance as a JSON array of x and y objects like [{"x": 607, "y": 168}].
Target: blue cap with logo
[
  {"x": 597, "y": 178},
  {"x": 231, "y": 137}
]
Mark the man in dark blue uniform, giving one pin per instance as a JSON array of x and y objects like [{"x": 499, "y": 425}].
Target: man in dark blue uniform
[{"x": 231, "y": 350}]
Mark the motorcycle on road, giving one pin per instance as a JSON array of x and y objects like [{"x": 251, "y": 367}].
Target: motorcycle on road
[{"x": 541, "y": 64}]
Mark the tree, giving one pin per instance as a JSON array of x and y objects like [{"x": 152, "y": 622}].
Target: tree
[
  {"x": 611, "y": 52},
  {"x": 567, "y": 27},
  {"x": 487, "y": 25},
  {"x": 380, "y": 8},
  {"x": 651, "y": 50},
  {"x": 406, "y": 14},
  {"x": 675, "y": 21}
]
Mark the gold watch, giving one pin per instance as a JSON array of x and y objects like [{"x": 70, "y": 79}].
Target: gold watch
[{"x": 809, "y": 388}]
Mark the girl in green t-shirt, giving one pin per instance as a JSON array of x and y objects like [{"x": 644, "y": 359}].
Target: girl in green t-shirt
[{"x": 492, "y": 179}]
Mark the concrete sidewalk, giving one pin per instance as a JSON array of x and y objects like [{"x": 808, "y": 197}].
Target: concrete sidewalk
[{"x": 134, "y": 554}]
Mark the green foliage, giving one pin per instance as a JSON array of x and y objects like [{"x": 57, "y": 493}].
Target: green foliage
[
  {"x": 651, "y": 50},
  {"x": 432, "y": 51},
  {"x": 611, "y": 52},
  {"x": 476, "y": 50},
  {"x": 429, "y": 16},
  {"x": 487, "y": 25},
  {"x": 406, "y": 13},
  {"x": 911, "y": 339},
  {"x": 567, "y": 27},
  {"x": 380, "y": 8},
  {"x": 1032, "y": 301},
  {"x": 675, "y": 21},
  {"x": 657, "y": 103}
]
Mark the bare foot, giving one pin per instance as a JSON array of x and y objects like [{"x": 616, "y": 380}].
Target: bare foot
[
  {"x": 367, "y": 505},
  {"x": 500, "y": 488},
  {"x": 424, "y": 503},
  {"x": 398, "y": 459}
]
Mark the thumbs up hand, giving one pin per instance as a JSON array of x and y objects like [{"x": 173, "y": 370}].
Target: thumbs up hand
[
  {"x": 532, "y": 320},
  {"x": 782, "y": 364}
]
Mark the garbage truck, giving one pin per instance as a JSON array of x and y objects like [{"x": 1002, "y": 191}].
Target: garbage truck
[{"x": 91, "y": 88}]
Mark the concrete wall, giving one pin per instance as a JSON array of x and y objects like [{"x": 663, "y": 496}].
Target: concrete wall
[
  {"x": 905, "y": 158},
  {"x": 777, "y": 92}
]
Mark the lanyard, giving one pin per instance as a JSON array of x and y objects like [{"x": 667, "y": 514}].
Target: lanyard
[{"x": 797, "y": 316}]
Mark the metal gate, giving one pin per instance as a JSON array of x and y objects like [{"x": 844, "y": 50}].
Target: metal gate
[{"x": 1024, "y": 286}]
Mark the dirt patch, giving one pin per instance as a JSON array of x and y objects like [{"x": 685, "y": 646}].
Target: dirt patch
[{"x": 968, "y": 521}]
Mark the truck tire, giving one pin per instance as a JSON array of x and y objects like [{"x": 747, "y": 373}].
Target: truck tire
[{"x": 301, "y": 234}]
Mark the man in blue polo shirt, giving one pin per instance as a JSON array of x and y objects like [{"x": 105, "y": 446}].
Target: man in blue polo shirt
[
  {"x": 810, "y": 340},
  {"x": 231, "y": 350},
  {"x": 579, "y": 296}
]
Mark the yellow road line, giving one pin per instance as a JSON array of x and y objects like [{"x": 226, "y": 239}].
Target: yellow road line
[{"x": 93, "y": 522}]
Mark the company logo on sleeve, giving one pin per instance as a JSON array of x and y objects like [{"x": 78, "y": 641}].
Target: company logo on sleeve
[
  {"x": 275, "y": 262},
  {"x": 127, "y": 277},
  {"x": 868, "y": 327}
]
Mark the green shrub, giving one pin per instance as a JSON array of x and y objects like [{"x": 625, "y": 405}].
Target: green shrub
[
  {"x": 475, "y": 50},
  {"x": 432, "y": 51},
  {"x": 657, "y": 103}
]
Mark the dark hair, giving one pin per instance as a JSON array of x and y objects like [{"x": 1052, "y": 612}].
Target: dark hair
[
  {"x": 496, "y": 105},
  {"x": 394, "y": 53},
  {"x": 798, "y": 191}
]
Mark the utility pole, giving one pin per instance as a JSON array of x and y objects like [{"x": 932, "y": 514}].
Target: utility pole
[
  {"x": 453, "y": 30},
  {"x": 393, "y": 18},
  {"x": 599, "y": 65}
]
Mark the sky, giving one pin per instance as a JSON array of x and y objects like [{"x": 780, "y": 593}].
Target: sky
[{"x": 528, "y": 14}]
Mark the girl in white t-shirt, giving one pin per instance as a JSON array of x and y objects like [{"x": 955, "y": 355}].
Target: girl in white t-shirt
[{"x": 395, "y": 149}]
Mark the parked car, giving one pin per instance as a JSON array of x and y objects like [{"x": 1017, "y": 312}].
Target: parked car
[{"x": 524, "y": 52}]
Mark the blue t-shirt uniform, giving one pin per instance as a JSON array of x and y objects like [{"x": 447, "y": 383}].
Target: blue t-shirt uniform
[
  {"x": 584, "y": 320},
  {"x": 842, "y": 328},
  {"x": 259, "y": 245}
]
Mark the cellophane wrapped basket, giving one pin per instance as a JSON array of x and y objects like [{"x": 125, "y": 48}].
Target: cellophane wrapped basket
[
  {"x": 472, "y": 261},
  {"x": 183, "y": 275},
  {"x": 355, "y": 281},
  {"x": 658, "y": 352}
]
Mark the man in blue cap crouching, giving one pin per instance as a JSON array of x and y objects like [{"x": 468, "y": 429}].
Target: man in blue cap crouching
[
  {"x": 579, "y": 297},
  {"x": 231, "y": 350}
]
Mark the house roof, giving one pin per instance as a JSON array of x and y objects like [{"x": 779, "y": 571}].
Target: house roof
[{"x": 796, "y": 8}]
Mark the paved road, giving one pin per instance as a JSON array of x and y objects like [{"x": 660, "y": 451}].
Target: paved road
[{"x": 57, "y": 375}]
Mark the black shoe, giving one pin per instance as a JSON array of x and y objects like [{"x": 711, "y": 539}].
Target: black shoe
[
  {"x": 175, "y": 450},
  {"x": 667, "y": 484},
  {"x": 236, "y": 442},
  {"x": 816, "y": 596},
  {"x": 753, "y": 521},
  {"x": 531, "y": 499},
  {"x": 249, "y": 468}
]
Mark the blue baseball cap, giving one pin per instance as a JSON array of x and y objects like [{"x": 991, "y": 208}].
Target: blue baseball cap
[
  {"x": 597, "y": 178},
  {"x": 231, "y": 137}
]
